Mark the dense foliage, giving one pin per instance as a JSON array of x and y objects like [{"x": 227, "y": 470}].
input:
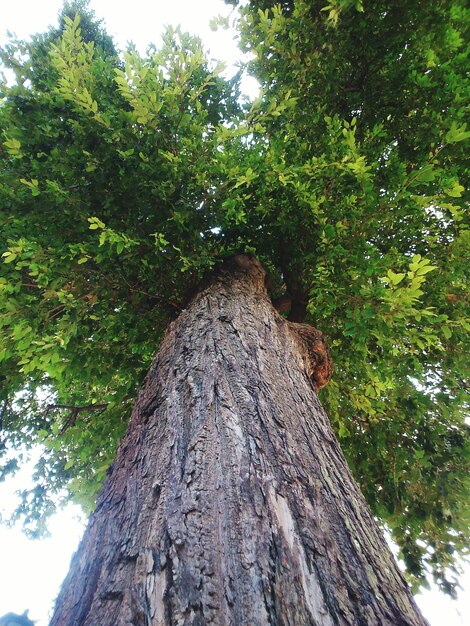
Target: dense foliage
[{"x": 124, "y": 179}]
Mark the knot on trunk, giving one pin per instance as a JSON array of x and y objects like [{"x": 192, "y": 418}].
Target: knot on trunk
[{"x": 315, "y": 352}]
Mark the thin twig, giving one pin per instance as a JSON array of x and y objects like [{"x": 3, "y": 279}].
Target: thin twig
[{"x": 74, "y": 411}]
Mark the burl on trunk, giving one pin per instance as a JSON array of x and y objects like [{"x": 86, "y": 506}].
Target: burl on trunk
[{"x": 230, "y": 501}]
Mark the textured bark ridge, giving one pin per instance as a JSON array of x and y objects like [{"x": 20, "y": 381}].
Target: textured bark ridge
[{"x": 230, "y": 501}]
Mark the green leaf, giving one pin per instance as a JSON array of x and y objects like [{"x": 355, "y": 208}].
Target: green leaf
[
  {"x": 425, "y": 269},
  {"x": 9, "y": 257},
  {"x": 395, "y": 279},
  {"x": 447, "y": 332},
  {"x": 455, "y": 191},
  {"x": 456, "y": 133},
  {"x": 95, "y": 223},
  {"x": 425, "y": 175}
]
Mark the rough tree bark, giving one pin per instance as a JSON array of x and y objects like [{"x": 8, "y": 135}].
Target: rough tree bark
[{"x": 230, "y": 501}]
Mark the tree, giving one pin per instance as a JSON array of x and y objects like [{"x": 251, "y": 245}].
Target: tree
[
  {"x": 229, "y": 486},
  {"x": 13, "y": 619},
  {"x": 124, "y": 183}
]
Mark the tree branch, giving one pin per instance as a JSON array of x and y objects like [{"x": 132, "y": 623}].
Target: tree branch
[{"x": 74, "y": 411}]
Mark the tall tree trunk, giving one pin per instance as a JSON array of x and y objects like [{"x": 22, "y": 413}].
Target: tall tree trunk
[{"x": 230, "y": 501}]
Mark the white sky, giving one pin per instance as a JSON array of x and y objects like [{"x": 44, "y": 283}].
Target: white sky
[{"x": 31, "y": 571}]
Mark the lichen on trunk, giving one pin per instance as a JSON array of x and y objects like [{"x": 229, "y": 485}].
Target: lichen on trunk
[{"x": 230, "y": 501}]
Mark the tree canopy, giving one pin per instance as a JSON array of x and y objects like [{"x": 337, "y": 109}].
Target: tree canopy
[{"x": 125, "y": 178}]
